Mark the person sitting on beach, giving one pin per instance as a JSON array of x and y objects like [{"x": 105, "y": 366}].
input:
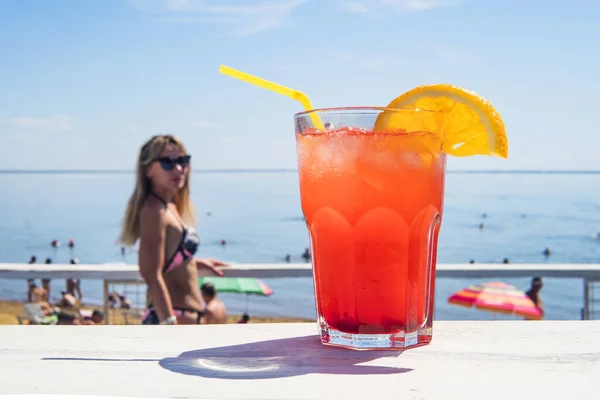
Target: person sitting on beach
[
  {"x": 125, "y": 303},
  {"x": 96, "y": 318},
  {"x": 38, "y": 295},
  {"x": 214, "y": 311},
  {"x": 160, "y": 215},
  {"x": 65, "y": 309},
  {"x": 115, "y": 297},
  {"x": 112, "y": 299},
  {"x": 80, "y": 317},
  {"x": 534, "y": 293},
  {"x": 244, "y": 320},
  {"x": 67, "y": 300},
  {"x": 35, "y": 294}
]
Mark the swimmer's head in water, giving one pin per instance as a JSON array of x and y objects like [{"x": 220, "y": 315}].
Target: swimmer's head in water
[{"x": 163, "y": 164}]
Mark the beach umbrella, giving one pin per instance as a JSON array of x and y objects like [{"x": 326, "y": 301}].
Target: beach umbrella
[
  {"x": 498, "y": 297},
  {"x": 246, "y": 286},
  {"x": 237, "y": 285}
]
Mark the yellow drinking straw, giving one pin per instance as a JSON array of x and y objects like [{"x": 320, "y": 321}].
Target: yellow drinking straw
[{"x": 274, "y": 87}]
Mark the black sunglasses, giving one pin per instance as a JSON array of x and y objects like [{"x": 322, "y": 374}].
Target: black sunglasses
[{"x": 168, "y": 163}]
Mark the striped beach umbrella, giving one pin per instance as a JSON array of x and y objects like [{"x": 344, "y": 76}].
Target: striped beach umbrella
[{"x": 497, "y": 297}]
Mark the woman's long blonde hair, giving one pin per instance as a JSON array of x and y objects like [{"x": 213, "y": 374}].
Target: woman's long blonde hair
[{"x": 150, "y": 152}]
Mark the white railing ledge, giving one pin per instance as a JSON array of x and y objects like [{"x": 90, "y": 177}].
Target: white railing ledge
[
  {"x": 494, "y": 360},
  {"x": 263, "y": 270}
]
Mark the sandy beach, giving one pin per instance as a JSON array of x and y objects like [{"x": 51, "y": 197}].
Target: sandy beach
[{"x": 9, "y": 310}]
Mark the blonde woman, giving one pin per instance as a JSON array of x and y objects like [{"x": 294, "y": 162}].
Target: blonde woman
[{"x": 160, "y": 215}]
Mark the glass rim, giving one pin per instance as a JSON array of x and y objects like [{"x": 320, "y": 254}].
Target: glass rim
[{"x": 361, "y": 108}]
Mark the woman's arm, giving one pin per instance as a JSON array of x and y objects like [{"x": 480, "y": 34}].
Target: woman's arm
[
  {"x": 151, "y": 259},
  {"x": 208, "y": 267}
]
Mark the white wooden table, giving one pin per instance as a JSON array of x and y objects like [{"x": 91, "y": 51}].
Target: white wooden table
[{"x": 466, "y": 360}]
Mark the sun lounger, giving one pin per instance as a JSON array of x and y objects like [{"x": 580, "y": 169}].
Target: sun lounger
[{"x": 36, "y": 316}]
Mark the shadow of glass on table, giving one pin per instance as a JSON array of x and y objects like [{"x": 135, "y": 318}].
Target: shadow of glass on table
[{"x": 280, "y": 358}]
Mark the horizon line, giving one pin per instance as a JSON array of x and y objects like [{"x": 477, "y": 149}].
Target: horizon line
[{"x": 279, "y": 170}]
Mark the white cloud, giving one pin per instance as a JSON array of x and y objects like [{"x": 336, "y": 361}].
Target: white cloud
[
  {"x": 418, "y": 5},
  {"x": 53, "y": 123},
  {"x": 454, "y": 56},
  {"x": 243, "y": 18},
  {"x": 334, "y": 59},
  {"x": 341, "y": 57},
  {"x": 195, "y": 20},
  {"x": 354, "y": 7},
  {"x": 402, "y": 6},
  {"x": 200, "y": 123},
  {"x": 177, "y": 4}
]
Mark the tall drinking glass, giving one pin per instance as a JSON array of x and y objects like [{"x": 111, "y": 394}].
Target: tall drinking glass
[{"x": 372, "y": 199}]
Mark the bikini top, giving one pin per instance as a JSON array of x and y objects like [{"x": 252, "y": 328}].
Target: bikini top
[{"x": 187, "y": 247}]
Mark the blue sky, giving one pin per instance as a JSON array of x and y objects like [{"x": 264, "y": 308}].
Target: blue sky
[{"x": 85, "y": 82}]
